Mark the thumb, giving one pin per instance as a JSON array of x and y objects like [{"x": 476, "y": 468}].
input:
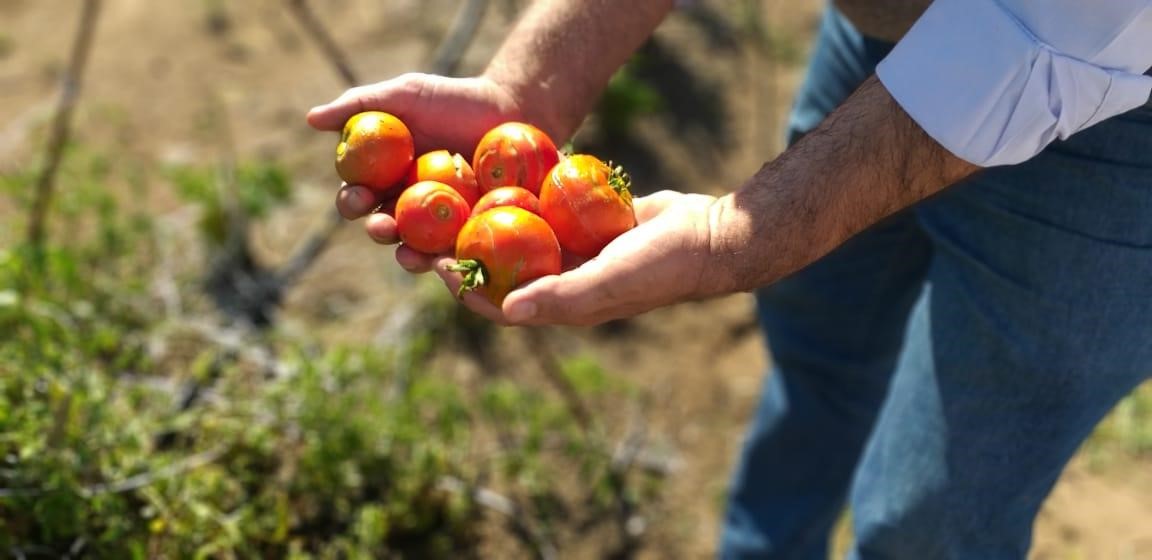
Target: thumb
[
  {"x": 576, "y": 297},
  {"x": 392, "y": 96}
]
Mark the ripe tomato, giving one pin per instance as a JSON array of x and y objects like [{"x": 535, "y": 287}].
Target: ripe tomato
[
  {"x": 587, "y": 203},
  {"x": 429, "y": 214},
  {"x": 451, "y": 169},
  {"x": 514, "y": 154},
  {"x": 502, "y": 248},
  {"x": 375, "y": 151},
  {"x": 507, "y": 196}
]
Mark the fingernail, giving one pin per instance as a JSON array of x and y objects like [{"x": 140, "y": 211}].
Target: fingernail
[{"x": 521, "y": 311}]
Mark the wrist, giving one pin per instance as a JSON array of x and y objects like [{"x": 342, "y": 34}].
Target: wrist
[
  {"x": 528, "y": 102},
  {"x": 753, "y": 242},
  {"x": 728, "y": 244}
]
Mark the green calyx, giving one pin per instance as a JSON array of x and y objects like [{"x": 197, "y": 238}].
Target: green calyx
[
  {"x": 474, "y": 275},
  {"x": 620, "y": 182}
]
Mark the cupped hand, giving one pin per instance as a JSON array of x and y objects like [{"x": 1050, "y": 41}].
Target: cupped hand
[
  {"x": 441, "y": 113},
  {"x": 661, "y": 261}
]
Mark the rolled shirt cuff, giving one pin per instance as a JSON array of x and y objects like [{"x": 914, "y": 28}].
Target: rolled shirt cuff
[{"x": 984, "y": 87}]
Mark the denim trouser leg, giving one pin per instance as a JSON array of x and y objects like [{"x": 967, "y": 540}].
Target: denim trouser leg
[
  {"x": 1038, "y": 319},
  {"x": 834, "y": 330}
]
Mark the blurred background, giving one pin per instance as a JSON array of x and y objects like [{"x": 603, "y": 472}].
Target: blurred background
[{"x": 198, "y": 360}]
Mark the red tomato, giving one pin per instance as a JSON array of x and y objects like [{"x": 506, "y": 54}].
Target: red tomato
[
  {"x": 514, "y": 154},
  {"x": 375, "y": 151},
  {"x": 451, "y": 169},
  {"x": 507, "y": 196},
  {"x": 587, "y": 203},
  {"x": 429, "y": 214},
  {"x": 502, "y": 248}
]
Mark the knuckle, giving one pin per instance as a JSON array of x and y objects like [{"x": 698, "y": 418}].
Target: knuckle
[{"x": 354, "y": 92}]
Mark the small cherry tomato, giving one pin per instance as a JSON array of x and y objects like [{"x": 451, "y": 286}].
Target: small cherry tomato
[
  {"x": 375, "y": 151},
  {"x": 515, "y": 154},
  {"x": 507, "y": 196},
  {"x": 587, "y": 203},
  {"x": 451, "y": 169},
  {"x": 429, "y": 214},
  {"x": 503, "y": 248}
]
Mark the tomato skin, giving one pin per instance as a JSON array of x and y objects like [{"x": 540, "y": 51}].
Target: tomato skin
[
  {"x": 375, "y": 151},
  {"x": 587, "y": 203},
  {"x": 515, "y": 154},
  {"x": 451, "y": 169},
  {"x": 429, "y": 214},
  {"x": 509, "y": 246},
  {"x": 507, "y": 196}
]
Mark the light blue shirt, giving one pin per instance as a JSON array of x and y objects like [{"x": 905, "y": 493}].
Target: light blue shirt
[{"x": 995, "y": 81}]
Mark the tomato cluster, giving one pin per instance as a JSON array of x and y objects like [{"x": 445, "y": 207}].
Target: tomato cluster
[{"x": 509, "y": 216}]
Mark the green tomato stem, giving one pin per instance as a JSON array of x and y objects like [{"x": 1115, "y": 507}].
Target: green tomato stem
[
  {"x": 620, "y": 182},
  {"x": 475, "y": 275}
]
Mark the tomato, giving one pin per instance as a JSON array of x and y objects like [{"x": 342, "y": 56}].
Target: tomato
[
  {"x": 507, "y": 196},
  {"x": 429, "y": 214},
  {"x": 515, "y": 154},
  {"x": 502, "y": 248},
  {"x": 375, "y": 151},
  {"x": 451, "y": 169},
  {"x": 587, "y": 203}
]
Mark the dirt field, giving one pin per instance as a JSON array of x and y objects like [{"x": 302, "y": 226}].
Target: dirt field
[{"x": 162, "y": 80}]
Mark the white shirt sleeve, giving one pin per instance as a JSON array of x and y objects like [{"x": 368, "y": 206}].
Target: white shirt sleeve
[{"x": 995, "y": 81}]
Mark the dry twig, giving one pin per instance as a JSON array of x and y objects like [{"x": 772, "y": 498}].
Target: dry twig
[
  {"x": 62, "y": 121},
  {"x": 554, "y": 373},
  {"x": 542, "y": 547}
]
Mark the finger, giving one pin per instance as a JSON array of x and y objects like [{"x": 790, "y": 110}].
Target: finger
[
  {"x": 472, "y": 300},
  {"x": 570, "y": 260},
  {"x": 381, "y": 228},
  {"x": 575, "y": 297},
  {"x": 392, "y": 95},
  {"x": 648, "y": 207},
  {"x": 414, "y": 261},
  {"x": 333, "y": 115},
  {"x": 354, "y": 201}
]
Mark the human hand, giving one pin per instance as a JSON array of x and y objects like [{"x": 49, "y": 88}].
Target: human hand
[
  {"x": 441, "y": 112},
  {"x": 663, "y": 260}
]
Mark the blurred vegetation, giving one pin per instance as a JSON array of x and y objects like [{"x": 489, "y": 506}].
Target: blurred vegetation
[
  {"x": 254, "y": 188},
  {"x": 130, "y": 429},
  {"x": 6, "y": 45},
  {"x": 1126, "y": 433}
]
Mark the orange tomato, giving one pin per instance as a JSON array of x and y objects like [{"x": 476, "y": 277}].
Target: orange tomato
[
  {"x": 587, "y": 203},
  {"x": 451, "y": 169},
  {"x": 507, "y": 196},
  {"x": 514, "y": 154},
  {"x": 429, "y": 214},
  {"x": 502, "y": 248},
  {"x": 375, "y": 151}
]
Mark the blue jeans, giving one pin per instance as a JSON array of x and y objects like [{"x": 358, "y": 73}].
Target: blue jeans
[{"x": 937, "y": 372}]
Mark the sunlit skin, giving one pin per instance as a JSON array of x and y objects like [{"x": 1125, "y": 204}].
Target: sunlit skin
[{"x": 375, "y": 151}]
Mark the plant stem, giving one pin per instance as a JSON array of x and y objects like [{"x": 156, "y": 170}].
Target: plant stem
[{"x": 62, "y": 122}]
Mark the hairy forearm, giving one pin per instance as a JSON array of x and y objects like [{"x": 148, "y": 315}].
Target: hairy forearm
[
  {"x": 561, "y": 54},
  {"x": 867, "y": 160}
]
